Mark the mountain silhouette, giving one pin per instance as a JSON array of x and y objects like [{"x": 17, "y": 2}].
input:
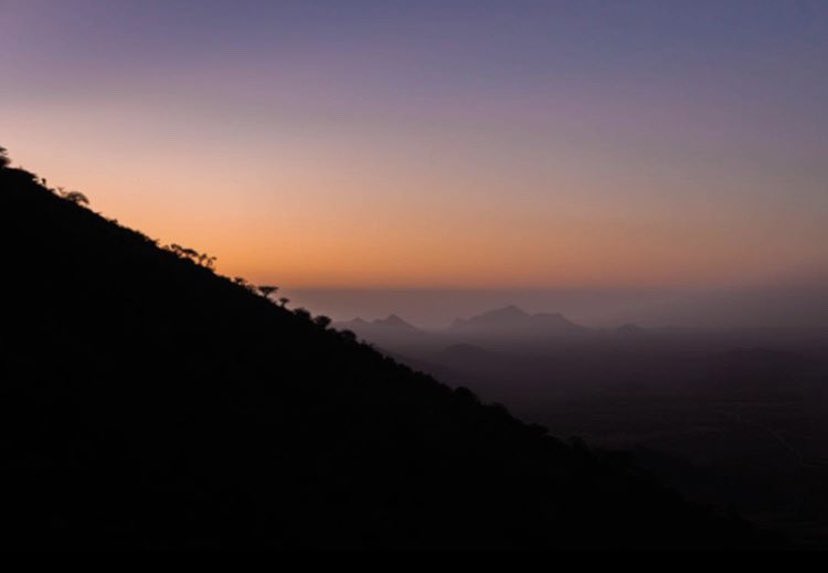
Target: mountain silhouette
[
  {"x": 394, "y": 321},
  {"x": 509, "y": 315},
  {"x": 148, "y": 402},
  {"x": 515, "y": 321}
]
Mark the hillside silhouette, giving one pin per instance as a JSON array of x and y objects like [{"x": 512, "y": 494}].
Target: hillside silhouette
[{"x": 148, "y": 402}]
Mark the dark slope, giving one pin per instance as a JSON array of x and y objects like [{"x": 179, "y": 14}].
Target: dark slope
[{"x": 147, "y": 402}]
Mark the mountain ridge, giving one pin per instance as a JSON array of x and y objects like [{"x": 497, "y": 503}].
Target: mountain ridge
[
  {"x": 392, "y": 321},
  {"x": 512, "y": 318}
]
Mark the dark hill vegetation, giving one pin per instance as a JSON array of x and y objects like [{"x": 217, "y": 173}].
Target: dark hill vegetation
[{"x": 146, "y": 401}]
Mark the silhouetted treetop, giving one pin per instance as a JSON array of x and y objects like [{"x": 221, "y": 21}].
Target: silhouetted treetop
[
  {"x": 303, "y": 313},
  {"x": 322, "y": 321},
  {"x": 76, "y": 197},
  {"x": 267, "y": 290},
  {"x": 201, "y": 259}
]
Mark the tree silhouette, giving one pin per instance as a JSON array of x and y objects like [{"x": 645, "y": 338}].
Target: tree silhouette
[
  {"x": 183, "y": 252},
  {"x": 267, "y": 290},
  {"x": 348, "y": 335},
  {"x": 322, "y": 321},
  {"x": 283, "y": 301},
  {"x": 4, "y": 158},
  {"x": 201, "y": 259},
  {"x": 76, "y": 197},
  {"x": 303, "y": 313},
  {"x": 206, "y": 261},
  {"x": 242, "y": 282}
]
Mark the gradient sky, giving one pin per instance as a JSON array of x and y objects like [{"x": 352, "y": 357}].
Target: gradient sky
[{"x": 438, "y": 143}]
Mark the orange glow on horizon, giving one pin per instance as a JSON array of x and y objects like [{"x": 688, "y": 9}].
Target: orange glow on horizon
[{"x": 337, "y": 213}]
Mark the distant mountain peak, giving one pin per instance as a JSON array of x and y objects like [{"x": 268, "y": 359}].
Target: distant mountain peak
[
  {"x": 394, "y": 321},
  {"x": 514, "y": 317},
  {"x": 507, "y": 313},
  {"x": 390, "y": 323},
  {"x": 512, "y": 310},
  {"x": 554, "y": 318}
]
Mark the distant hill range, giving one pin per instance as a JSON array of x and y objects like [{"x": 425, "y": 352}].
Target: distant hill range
[
  {"x": 507, "y": 327},
  {"x": 514, "y": 321},
  {"x": 509, "y": 321},
  {"x": 148, "y": 402},
  {"x": 391, "y": 322}
]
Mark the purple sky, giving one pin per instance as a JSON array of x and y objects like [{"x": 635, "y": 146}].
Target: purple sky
[{"x": 467, "y": 144}]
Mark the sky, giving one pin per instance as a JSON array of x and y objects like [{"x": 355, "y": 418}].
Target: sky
[{"x": 438, "y": 144}]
